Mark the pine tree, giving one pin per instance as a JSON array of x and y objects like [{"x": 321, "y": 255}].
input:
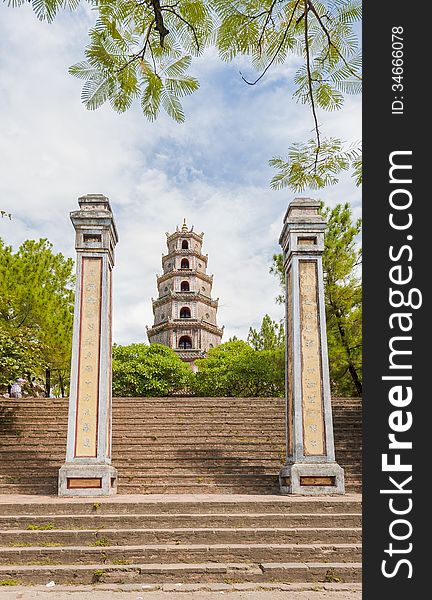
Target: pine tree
[
  {"x": 36, "y": 298},
  {"x": 271, "y": 335}
]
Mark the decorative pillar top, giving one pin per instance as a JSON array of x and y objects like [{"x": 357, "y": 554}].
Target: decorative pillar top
[
  {"x": 94, "y": 202},
  {"x": 303, "y": 228},
  {"x": 94, "y": 225}
]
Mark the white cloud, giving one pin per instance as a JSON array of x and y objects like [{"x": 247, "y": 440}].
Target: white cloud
[{"x": 213, "y": 170}]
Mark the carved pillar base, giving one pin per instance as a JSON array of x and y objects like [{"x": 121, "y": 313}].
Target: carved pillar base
[
  {"x": 87, "y": 480},
  {"x": 309, "y": 479}
]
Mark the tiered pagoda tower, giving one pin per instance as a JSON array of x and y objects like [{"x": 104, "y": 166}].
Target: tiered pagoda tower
[{"x": 184, "y": 312}]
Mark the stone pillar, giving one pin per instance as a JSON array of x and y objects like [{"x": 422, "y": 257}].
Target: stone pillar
[
  {"x": 311, "y": 467},
  {"x": 88, "y": 470}
]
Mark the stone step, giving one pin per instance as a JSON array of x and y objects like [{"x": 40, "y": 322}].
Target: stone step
[
  {"x": 154, "y": 487},
  {"x": 150, "y": 488},
  {"x": 150, "y": 412},
  {"x": 142, "y": 505},
  {"x": 145, "y": 464},
  {"x": 59, "y": 446},
  {"x": 129, "y": 489},
  {"x": 174, "y": 436},
  {"x": 209, "y": 478},
  {"x": 170, "y": 536},
  {"x": 186, "y": 444},
  {"x": 313, "y": 572},
  {"x": 23, "y": 416},
  {"x": 174, "y": 418},
  {"x": 163, "y": 454},
  {"x": 151, "y": 434},
  {"x": 180, "y": 471},
  {"x": 200, "y": 520},
  {"x": 252, "y": 450},
  {"x": 119, "y": 406},
  {"x": 172, "y": 400},
  {"x": 190, "y": 553}
]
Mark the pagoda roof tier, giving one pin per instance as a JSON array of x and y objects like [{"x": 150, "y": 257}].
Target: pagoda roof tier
[
  {"x": 189, "y": 354},
  {"x": 184, "y": 252},
  {"x": 186, "y": 297},
  {"x": 185, "y": 234},
  {"x": 178, "y": 272},
  {"x": 184, "y": 324}
]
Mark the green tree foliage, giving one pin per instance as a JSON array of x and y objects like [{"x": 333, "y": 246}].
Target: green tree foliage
[
  {"x": 20, "y": 355},
  {"x": 343, "y": 298},
  {"x": 271, "y": 335},
  {"x": 155, "y": 370},
  {"x": 142, "y": 50},
  {"x": 36, "y": 310},
  {"x": 310, "y": 166},
  {"x": 236, "y": 369}
]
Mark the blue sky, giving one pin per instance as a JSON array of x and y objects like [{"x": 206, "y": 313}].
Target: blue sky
[{"x": 213, "y": 169}]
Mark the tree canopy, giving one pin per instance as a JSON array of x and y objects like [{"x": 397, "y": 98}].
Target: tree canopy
[
  {"x": 155, "y": 370},
  {"x": 270, "y": 336},
  {"x": 236, "y": 369},
  {"x": 36, "y": 313},
  {"x": 343, "y": 297},
  {"x": 143, "y": 50}
]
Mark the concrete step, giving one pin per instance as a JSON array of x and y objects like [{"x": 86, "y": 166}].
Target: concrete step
[
  {"x": 186, "y": 505},
  {"x": 172, "y": 436},
  {"x": 27, "y": 421},
  {"x": 237, "y": 445},
  {"x": 136, "y": 467},
  {"x": 135, "y": 486},
  {"x": 181, "y": 553},
  {"x": 313, "y": 572},
  {"x": 195, "y": 535},
  {"x": 163, "y": 454},
  {"x": 161, "y": 521}
]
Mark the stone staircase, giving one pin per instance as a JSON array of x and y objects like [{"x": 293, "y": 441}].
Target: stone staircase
[
  {"x": 159, "y": 539},
  {"x": 198, "y": 499},
  {"x": 170, "y": 445}
]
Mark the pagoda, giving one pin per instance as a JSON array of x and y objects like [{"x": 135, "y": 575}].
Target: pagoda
[{"x": 184, "y": 312}]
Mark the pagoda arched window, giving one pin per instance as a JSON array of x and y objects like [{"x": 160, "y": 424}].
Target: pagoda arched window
[
  {"x": 184, "y": 286},
  {"x": 184, "y": 264},
  {"x": 185, "y": 312},
  {"x": 185, "y": 245},
  {"x": 185, "y": 342}
]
